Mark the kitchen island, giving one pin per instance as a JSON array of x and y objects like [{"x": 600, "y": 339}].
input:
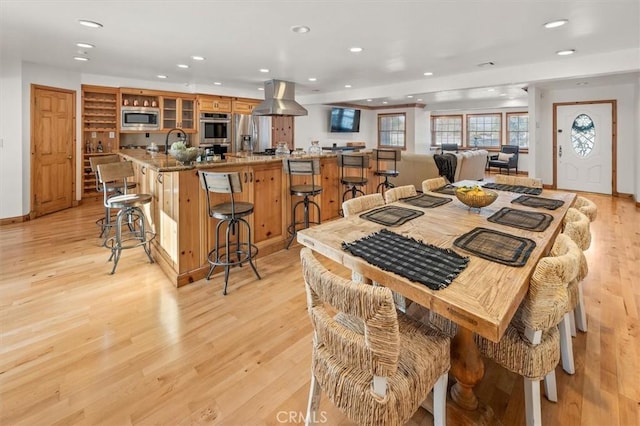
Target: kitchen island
[{"x": 178, "y": 216}]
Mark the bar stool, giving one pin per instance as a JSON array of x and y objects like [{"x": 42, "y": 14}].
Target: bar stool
[
  {"x": 113, "y": 188},
  {"x": 231, "y": 218},
  {"x": 130, "y": 208},
  {"x": 383, "y": 159},
  {"x": 302, "y": 167},
  {"x": 353, "y": 183}
]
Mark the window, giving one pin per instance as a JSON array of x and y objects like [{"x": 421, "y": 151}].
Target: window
[
  {"x": 446, "y": 129},
  {"x": 391, "y": 130},
  {"x": 583, "y": 135},
  {"x": 483, "y": 130},
  {"x": 518, "y": 129}
]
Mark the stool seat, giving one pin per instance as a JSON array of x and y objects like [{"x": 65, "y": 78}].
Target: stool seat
[
  {"x": 304, "y": 170},
  {"x": 227, "y": 210},
  {"x": 390, "y": 173},
  {"x": 128, "y": 200},
  {"x": 386, "y": 163},
  {"x": 302, "y": 190}
]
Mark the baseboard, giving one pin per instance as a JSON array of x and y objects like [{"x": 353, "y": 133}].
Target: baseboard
[{"x": 12, "y": 220}]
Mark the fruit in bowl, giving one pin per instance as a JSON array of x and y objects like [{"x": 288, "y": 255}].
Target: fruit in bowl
[
  {"x": 180, "y": 152},
  {"x": 476, "y": 196}
]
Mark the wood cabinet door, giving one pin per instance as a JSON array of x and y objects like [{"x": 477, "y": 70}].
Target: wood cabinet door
[
  {"x": 268, "y": 202},
  {"x": 53, "y": 146},
  {"x": 241, "y": 106}
]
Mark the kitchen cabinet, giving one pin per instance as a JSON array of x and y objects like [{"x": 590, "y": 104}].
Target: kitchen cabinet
[
  {"x": 268, "y": 192},
  {"x": 214, "y": 104},
  {"x": 245, "y": 106},
  {"x": 178, "y": 111},
  {"x": 139, "y": 97},
  {"x": 99, "y": 128}
]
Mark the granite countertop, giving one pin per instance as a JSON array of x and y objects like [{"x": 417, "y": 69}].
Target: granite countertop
[{"x": 163, "y": 163}]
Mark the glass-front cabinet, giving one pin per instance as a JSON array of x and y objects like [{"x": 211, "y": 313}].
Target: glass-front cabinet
[{"x": 178, "y": 112}]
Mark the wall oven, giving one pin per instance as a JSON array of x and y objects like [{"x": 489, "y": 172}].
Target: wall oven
[
  {"x": 215, "y": 128},
  {"x": 139, "y": 118}
]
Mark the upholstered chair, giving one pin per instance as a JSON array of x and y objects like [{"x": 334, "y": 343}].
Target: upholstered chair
[
  {"x": 394, "y": 194},
  {"x": 356, "y": 205},
  {"x": 586, "y": 207},
  {"x": 375, "y": 364}
]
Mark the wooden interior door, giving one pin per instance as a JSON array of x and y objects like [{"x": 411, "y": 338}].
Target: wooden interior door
[{"x": 52, "y": 149}]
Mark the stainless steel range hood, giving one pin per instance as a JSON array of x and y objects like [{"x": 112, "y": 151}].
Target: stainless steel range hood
[{"x": 279, "y": 100}]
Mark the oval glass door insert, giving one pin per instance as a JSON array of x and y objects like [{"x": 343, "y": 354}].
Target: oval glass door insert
[{"x": 583, "y": 135}]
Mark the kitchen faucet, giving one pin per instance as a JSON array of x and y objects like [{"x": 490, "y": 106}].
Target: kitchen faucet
[{"x": 180, "y": 131}]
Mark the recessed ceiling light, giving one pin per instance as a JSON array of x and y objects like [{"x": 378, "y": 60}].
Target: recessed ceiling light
[
  {"x": 419, "y": 100},
  {"x": 348, "y": 86},
  {"x": 85, "y": 45},
  {"x": 428, "y": 73},
  {"x": 81, "y": 58},
  {"x": 555, "y": 24},
  {"x": 217, "y": 83},
  {"x": 313, "y": 79},
  {"x": 161, "y": 76},
  {"x": 356, "y": 49},
  {"x": 566, "y": 52},
  {"x": 198, "y": 58},
  {"x": 369, "y": 100},
  {"x": 502, "y": 94},
  {"x": 90, "y": 24},
  {"x": 491, "y": 90},
  {"x": 385, "y": 102},
  {"x": 409, "y": 96},
  {"x": 260, "y": 88},
  {"x": 264, "y": 69},
  {"x": 300, "y": 29},
  {"x": 184, "y": 66}
]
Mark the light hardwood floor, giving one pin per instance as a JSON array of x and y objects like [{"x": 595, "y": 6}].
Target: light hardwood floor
[{"x": 79, "y": 346}]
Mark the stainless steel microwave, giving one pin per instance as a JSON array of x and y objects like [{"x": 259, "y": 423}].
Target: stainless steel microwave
[{"x": 140, "y": 118}]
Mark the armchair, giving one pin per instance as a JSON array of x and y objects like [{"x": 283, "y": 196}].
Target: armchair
[
  {"x": 506, "y": 159},
  {"x": 449, "y": 147}
]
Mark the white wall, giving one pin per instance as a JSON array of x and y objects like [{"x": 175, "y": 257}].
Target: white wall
[
  {"x": 628, "y": 142},
  {"x": 13, "y": 153},
  {"x": 637, "y": 121}
]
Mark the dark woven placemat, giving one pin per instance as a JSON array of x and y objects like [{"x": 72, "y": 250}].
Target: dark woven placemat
[
  {"x": 426, "y": 201},
  {"x": 523, "y": 219},
  {"x": 447, "y": 189},
  {"x": 427, "y": 264},
  {"x": 539, "y": 202},
  {"x": 514, "y": 188},
  {"x": 391, "y": 215},
  {"x": 496, "y": 246}
]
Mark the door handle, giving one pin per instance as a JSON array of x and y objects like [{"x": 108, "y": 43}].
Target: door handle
[{"x": 69, "y": 157}]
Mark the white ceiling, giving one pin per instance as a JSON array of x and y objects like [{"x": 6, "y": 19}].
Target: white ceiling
[{"x": 401, "y": 39}]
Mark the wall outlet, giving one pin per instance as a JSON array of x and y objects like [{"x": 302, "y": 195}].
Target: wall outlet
[
  {"x": 93, "y": 135},
  {"x": 112, "y": 135}
]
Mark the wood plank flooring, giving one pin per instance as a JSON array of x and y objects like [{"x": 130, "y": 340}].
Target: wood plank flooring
[{"x": 79, "y": 346}]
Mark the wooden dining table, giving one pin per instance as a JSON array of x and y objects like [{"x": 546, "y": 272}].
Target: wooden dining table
[{"x": 482, "y": 299}]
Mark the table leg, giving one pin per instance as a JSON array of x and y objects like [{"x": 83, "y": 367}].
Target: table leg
[{"x": 467, "y": 367}]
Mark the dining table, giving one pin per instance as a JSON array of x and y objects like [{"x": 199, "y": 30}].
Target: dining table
[{"x": 483, "y": 298}]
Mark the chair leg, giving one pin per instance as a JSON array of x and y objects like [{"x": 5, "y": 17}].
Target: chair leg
[
  {"x": 580, "y": 311},
  {"x": 572, "y": 324},
  {"x": 566, "y": 348},
  {"x": 440, "y": 400},
  {"x": 550, "y": 387},
  {"x": 314, "y": 401},
  {"x": 533, "y": 411}
]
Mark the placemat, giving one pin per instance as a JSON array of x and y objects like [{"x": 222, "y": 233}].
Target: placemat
[
  {"x": 496, "y": 246},
  {"x": 447, "y": 189},
  {"x": 427, "y": 264},
  {"x": 538, "y": 202},
  {"x": 514, "y": 188},
  {"x": 523, "y": 219},
  {"x": 391, "y": 215},
  {"x": 426, "y": 201}
]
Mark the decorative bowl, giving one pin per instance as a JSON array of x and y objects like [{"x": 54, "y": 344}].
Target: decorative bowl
[
  {"x": 476, "y": 197},
  {"x": 186, "y": 155}
]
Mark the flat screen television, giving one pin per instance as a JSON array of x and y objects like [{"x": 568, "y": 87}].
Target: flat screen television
[{"x": 345, "y": 120}]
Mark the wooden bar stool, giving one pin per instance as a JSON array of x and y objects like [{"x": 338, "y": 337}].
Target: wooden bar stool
[
  {"x": 113, "y": 188},
  {"x": 386, "y": 166},
  {"x": 130, "y": 206},
  {"x": 231, "y": 219},
  {"x": 353, "y": 182},
  {"x": 302, "y": 167}
]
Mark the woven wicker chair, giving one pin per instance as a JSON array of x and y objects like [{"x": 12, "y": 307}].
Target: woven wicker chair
[
  {"x": 586, "y": 207},
  {"x": 577, "y": 227},
  {"x": 375, "y": 364},
  {"x": 359, "y": 204},
  {"x": 432, "y": 184},
  {"x": 394, "y": 194},
  {"x": 530, "y": 346},
  {"x": 518, "y": 180}
]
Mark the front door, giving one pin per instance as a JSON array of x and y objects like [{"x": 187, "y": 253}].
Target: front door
[
  {"x": 52, "y": 147},
  {"x": 584, "y": 138}
]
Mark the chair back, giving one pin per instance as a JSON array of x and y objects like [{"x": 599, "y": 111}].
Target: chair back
[
  {"x": 374, "y": 352},
  {"x": 302, "y": 167},
  {"x": 114, "y": 172},
  {"x": 359, "y": 204},
  {"x": 221, "y": 183},
  {"x": 547, "y": 299},
  {"x": 586, "y": 207},
  {"x": 449, "y": 147},
  {"x": 101, "y": 159},
  {"x": 392, "y": 195},
  {"x": 577, "y": 227},
  {"x": 353, "y": 161},
  {"x": 518, "y": 180},
  {"x": 433, "y": 184},
  {"x": 510, "y": 149}
]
